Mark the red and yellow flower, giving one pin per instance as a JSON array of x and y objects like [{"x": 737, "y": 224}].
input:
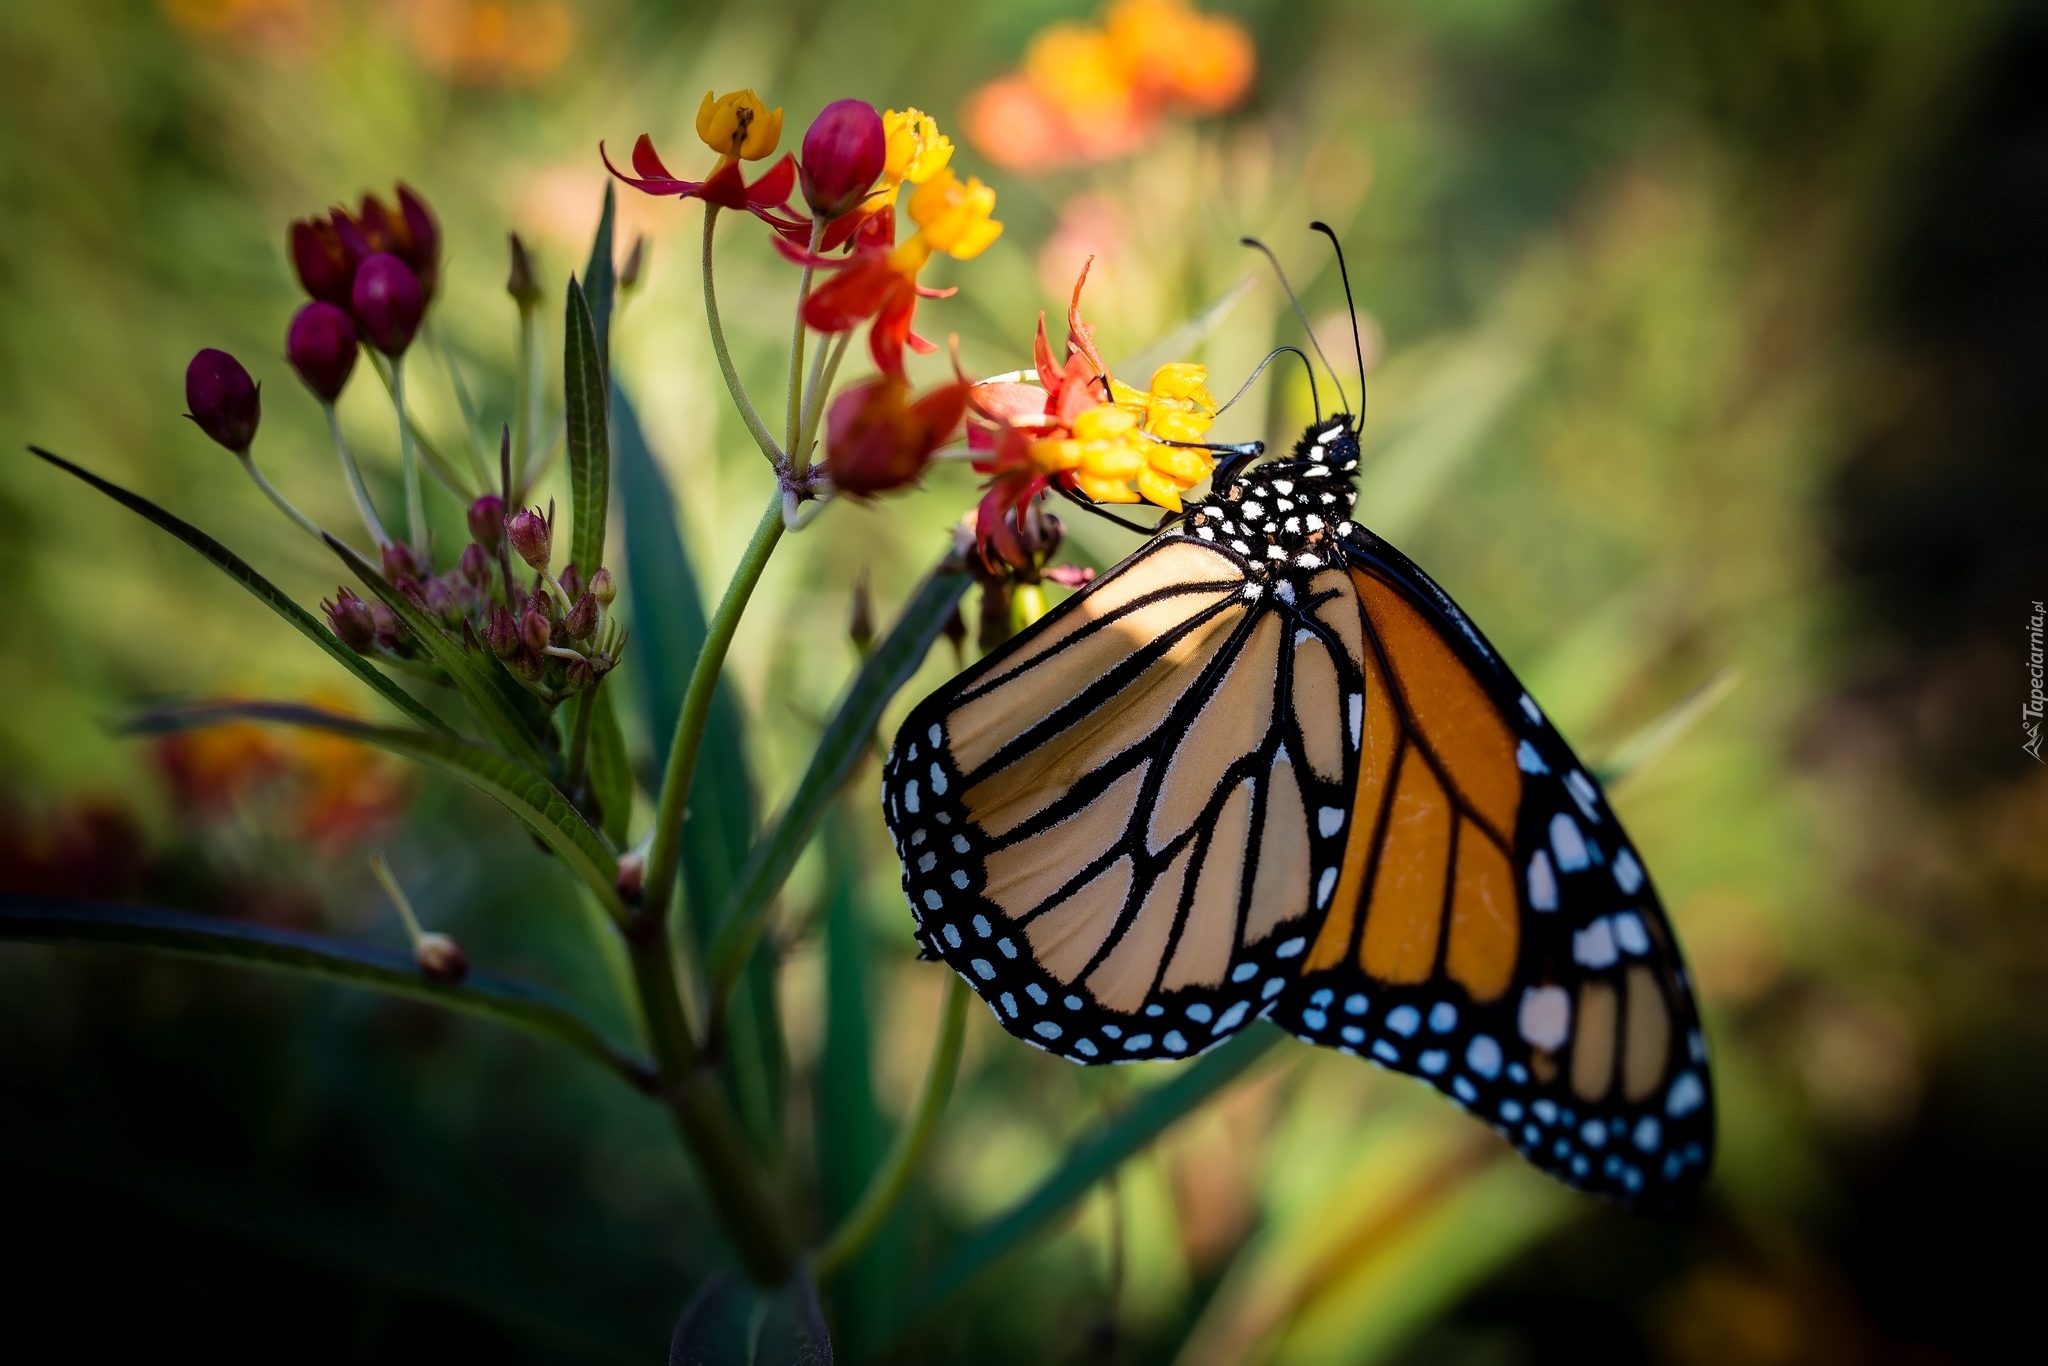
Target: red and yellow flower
[{"x": 738, "y": 126}]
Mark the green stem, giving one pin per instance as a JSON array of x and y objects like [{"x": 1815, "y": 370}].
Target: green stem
[
  {"x": 579, "y": 741},
  {"x": 306, "y": 524},
  {"x": 479, "y": 451},
  {"x": 793, "y": 421},
  {"x": 893, "y": 1178},
  {"x": 732, "y": 1180},
  {"x": 525, "y": 399},
  {"x": 820, "y": 386},
  {"x": 408, "y": 466},
  {"x": 755, "y": 427},
  {"x": 354, "y": 475}
]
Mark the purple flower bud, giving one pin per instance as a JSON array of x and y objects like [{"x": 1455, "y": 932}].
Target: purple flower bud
[
  {"x": 487, "y": 521},
  {"x": 572, "y": 581},
  {"x": 321, "y": 346},
  {"x": 476, "y": 564},
  {"x": 531, "y": 538},
  {"x": 390, "y": 632},
  {"x": 844, "y": 151},
  {"x": 444, "y": 602},
  {"x": 502, "y": 635},
  {"x": 222, "y": 399},
  {"x": 602, "y": 588},
  {"x": 537, "y": 630},
  {"x": 387, "y": 303},
  {"x": 349, "y": 617},
  {"x": 582, "y": 619},
  {"x": 399, "y": 564},
  {"x": 322, "y": 259},
  {"x": 423, "y": 238},
  {"x": 520, "y": 283},
  {"x": 581, "y": 675},
  {"x": 440, "y": 958}
]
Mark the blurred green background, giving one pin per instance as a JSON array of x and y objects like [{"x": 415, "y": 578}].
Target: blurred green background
[{"x": 1710, "y": 342}]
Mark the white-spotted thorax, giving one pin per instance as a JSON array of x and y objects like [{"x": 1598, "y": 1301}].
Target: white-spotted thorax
[{"x": 1283, "y": 517}]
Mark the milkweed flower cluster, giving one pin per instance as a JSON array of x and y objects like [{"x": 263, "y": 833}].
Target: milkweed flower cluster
[{"x": 1088, "y": 94}]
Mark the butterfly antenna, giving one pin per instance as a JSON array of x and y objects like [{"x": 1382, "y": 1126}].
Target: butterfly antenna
[
  {"x": 1356, "y": 346},
  {"x": 1314, "y": 396},
  {"x": 1300, "y": 313},
  {"x": 1087, "y": 505}
]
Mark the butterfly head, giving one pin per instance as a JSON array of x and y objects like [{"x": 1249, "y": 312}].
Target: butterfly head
[{"x": 1284, "y": 515}]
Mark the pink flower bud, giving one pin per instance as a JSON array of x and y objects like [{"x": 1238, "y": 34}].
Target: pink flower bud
[
  {"x": 602, "y": 588},
  {"x": 322, "y": 259},
  {"x": 476, "y": 564},
  {"x": 502, "y": 635},
  {"x": 487, "y": 521},
  {"x": 536, "y": 630},
  {"x": 440, "y": 958},
  {"x": 350, "y": 619},
  {"x": 582, "y": 620},
  {"x": 222, "y": 399},
  {"x": 844, "y": 151},
  {"x": 321, "y": 346},
  {"x": 387, "y": 303},
  {"x": 531, "y": 539},
  {"x": 399, "y": 564},
  {"x": 572, "y": 581}
]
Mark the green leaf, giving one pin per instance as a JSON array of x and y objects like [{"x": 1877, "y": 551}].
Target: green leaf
[
  {"x": 846, "y": 739},
  {"x": 265, "y": 592},
  {"x": 1093, "y": 1157},
  {"x": 601, "y": 280},
  {"x": 483, "y": 683},
  {"x": 522, "y": 1005},
  {"x": 519, "y": 788},
  {"x": 611, "y": 772},
  {"x": 729, "y": 1323},
  {"x": 584, "y": 391}
]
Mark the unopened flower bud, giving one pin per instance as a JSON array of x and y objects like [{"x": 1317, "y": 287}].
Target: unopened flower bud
[
  {"x": 502, "y": 635},
  {"x": 877, "y": 440},
  {"x": 222, "y": 400},
  {"x": 476, "y": 564},
  {"x": 844, "y": 151},
  {"x": 603, "y": 588},
  {"x": 322, "y": 259},
  {"x": 444, "y": 602},
  {"x": 520, "y": 284},
  {"x": 636, "y": 264},
  {"x": 390, "y": 631},
  {"x": 349, "y": 618},
  {"x": 321, "y": 346},
  {"x": 399, "y": 564},
  {"x": 581, "y": 675},
  {"x": 536, "y": 629},
  {"x": 487, "y": 521},
  {"x": 572, "y": 581},
  {"x": 387, "y": 302},
  {"x": 632, "y": 876},
  {"x": 440, "y": 958},
  {"x": 531, "y": 539},
  {"x": 421, "y": 239},
  {"x": 582, "y": 619}
]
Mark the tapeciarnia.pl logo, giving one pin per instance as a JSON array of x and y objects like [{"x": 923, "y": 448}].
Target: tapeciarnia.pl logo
[{"x": 2030, "y": 712}]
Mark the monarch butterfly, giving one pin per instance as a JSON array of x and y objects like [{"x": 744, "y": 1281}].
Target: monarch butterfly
[{"x": 1266, "y": 768}]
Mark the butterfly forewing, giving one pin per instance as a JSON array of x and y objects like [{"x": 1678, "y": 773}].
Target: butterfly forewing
[{"x": 1266, "y": 768}]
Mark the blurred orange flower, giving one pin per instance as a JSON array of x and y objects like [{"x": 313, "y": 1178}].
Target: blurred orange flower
[
  {"x": 492, "y": 42},
  {"x": 1090, "y": 94}
]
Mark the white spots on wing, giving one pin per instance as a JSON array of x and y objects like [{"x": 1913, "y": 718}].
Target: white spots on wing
[
  {"x": 1529, "y": 710},
  {"x": 960, "y": 845},
  {"x": 1443, "y": 1017},
  {"x": 1155, "y": 1010},
  {"x": 1314, "y": 522},
  {"x": 1465, "y": 1090},
  {"x": 1232, "y": 1017},
  {"x": 1569, "y": 844},
  {"x": 1542, "y": 883},
  {"x": 1086, "y": 1047},
  {"x": 1545, "y": 1017},
  {"x": 938, "y": 781},
  {"x": 1528, "y": 760},
  {"x": 1330, "y": 820},
  {"x": 1630, "y": 934},
  {"x": 1200, "y": 1013},
  {"x": 1354, "y": 709},
  {"x": 1284, "y": 591},
  {"x": 1205, "y": 533},
  {"x": 917, "y": 837},
  {"x": 983, "y": 969},
  {"x": 1649, "y": 1133},
  {"x": 1584, "y": 793},
  {"x": 1315, "y": 1019},
  {"x": 1686, "y": 1095},
  {"x": 1433, "y": 1062},
  {"x": 1482, "y": 1055},
  {"x": 933, "y": 900},
  {"x": 1355, "y": 1003},
  {"x": 1036, "y": 993},
  {"x": 1345, "y": 528},
  {"x": 960, "y": 878},
  {"x": 1386, "y": 1052},
  {"x": 1696, "y": 1045},
  {"x": 1404, "y": 1020},
  {"x": 1593, "y": 1133},
  {"x": 1593, "y": 947},
  {"x": 1046, "y": 1029},
  {"x": 936, "y": 738},
  {"x": 1274, "y": 552},
  {"x": 1137, "y": 1043},
  {"x": 910, "y": 797},
  {"x": 1291, "y": 948},
  {"x": 1351, "y": 1034},
  {"x": 1324, "y": 886},
  {"x": 1112, "y": 1032},
  {"x": 981, "y": 926},
  {"x": 1009, "y": 1005},
  {"x": 952, "y": 933},
  {"x": 1244, "y": 972},
  {"x": 1273, "y": 987},
  {"x": 1252, "y": 591},
  {"x": 1628, "y": 874},
  {"x": 1241, "y": 548},
  {"x": 1293, "y": 525},
  {"x": 1254, "y": 509},
  {"x": 1008, "y": 949},
  {"x": 1072, "y": 1003},
  {"x": 927, "y": 861},
  {"x": 1175, "y": 1042}
]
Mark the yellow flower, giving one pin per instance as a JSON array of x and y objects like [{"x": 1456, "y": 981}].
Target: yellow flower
[
  {"x": 954, "y": 217},
  {"x": 917, "y": 151},
  {"x": 1114, "y": 459},
  {"x": 739, "y": 125}
]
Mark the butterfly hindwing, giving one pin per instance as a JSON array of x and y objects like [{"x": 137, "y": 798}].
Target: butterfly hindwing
[{"x": 1265, "y": 767}]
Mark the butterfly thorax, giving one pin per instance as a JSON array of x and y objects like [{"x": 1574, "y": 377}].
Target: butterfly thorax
[{"x": 1285, "y": 515}]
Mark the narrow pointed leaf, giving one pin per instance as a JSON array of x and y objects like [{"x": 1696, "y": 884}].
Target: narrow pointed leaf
[
  {"x": 847, "y": 738},
  {"x": 601, "y": 279},
  {"x": 1093, "y": 1157},
  {"x": 262, "y": 589},
  {"x": 509, "y": 1001},
  {"x": 585, "y": 400},
  {"x": 486, "y": 689},
  {"x": 521, "y": 789}
]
